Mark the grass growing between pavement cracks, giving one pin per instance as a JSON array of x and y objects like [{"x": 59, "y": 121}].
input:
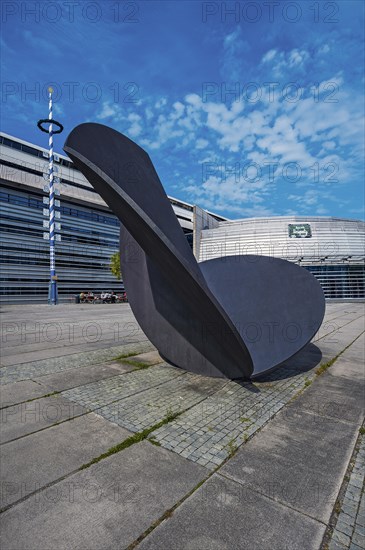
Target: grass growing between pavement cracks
[
  {"x": 168, "y": 513},
  {"x": 135, "y": 438},
  {"x": 124, "y": 356},
  {"x": 322, "y": 368},
  {"x": 32, "y": 399},
  {"x": 327, "y": 365},
  {"x": 231, "y": 447},
  {"x": 139, "y": 365}
]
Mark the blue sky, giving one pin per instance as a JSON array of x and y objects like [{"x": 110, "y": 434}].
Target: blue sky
[{"x": 252, "y": 113}]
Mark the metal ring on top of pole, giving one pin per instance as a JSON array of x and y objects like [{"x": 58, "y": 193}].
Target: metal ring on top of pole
[{"x": 53, "y": 291}]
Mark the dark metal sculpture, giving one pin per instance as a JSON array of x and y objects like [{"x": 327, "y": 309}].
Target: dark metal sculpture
[{"x": 233, "y": 317}]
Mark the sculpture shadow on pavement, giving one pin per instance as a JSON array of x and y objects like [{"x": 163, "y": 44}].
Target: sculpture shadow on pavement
[{"x": 232, "y": 317}]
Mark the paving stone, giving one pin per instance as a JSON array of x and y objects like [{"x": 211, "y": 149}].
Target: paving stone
[
  {"x": 206, "y": 420},
  {"x": 32, "y": 369},
  {"x": 358, "y": 539},
  {"x": 344, "y": 528},
  {"x": 350, "y": 510},
  {"x": 25, "y": 418},
  {"x": 348, "y": 368},
  {"x": 351, "y": 503},
  {"x": 346, "y": 518},
  {"x": 360, "y": 520},
  {"x": 335, "y": 397},
  {"x": 113, "y": 502},
  {"x": 45, "y": 456},
  {"x": 234, "y": 413},
  {"x": 97, "y": 394},
  {"x": 341, "y": 538},
  {"x": 223, "y": 515},
  {"x": 297, "y": 462},
  {"x": 334, "y": 545},
  {"x": 215, "y": 423},
  {"x": 77, "y": 377},
  {"x": 20, "y": 391},
  {"x": 356, "y": 483},
  {"x": 31, "y": 332}
]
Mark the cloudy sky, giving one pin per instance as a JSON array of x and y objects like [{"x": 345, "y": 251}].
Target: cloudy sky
[{"x": 246, "y": 108}]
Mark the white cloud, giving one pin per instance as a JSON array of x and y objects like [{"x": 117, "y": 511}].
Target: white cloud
[
  {"x": 136, "y": 126},
  {"x": 329, "y": 144},
  {"x": 324, "y": 49},
  {"x": 110, "y": 110},
  {"x": 297, "y": 57},
  {"x": 161, "y": 103},
  {"x": 281, "y": 63},
  {"x": 201, "y": 143},
  {"x": 194, "y": 100},
  {"x": 269, "y": 56},
  {"x": 297, "y": 136},
  {"x": 234, "y": 55}
]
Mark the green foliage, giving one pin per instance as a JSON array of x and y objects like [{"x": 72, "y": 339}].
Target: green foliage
[
  {"x": 115, "y": 265},
  {"x": 231, "y": 447}
]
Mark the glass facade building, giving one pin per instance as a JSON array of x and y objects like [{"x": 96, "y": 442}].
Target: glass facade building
[{"x": 87, "y": 232}]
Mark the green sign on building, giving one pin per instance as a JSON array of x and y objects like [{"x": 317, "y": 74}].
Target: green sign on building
[{"x": 299, "y": 230}]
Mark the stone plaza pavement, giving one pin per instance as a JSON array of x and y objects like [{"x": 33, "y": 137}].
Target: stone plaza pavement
[{"x": 105, "y": 446}]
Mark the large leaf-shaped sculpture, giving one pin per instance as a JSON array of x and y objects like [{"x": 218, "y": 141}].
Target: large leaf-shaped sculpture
[{"x": 233, "y": 317}]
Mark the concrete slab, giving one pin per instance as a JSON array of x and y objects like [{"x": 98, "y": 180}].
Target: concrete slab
[
  {"x": 25, "y": 418},
  {"x": 21, "y": 369},
  {"x": 20, "y": 391},
  {"x": 348, "y": 368},
  {"x": 44, "y": 457},
  {"x": 31, "y": 333},
  {"x": 356, "y": 352},
  {"x": 334, "y": 397},
  {"x": 76, "y": 377},
  {"x": 299, "y": 459},
  {"x": 112, "y": 502},
  {"x": 222, "y": 515}
]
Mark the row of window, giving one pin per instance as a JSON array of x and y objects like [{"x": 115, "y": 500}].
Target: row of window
[
  {"x": 32, "y": 151},
  {"x": 40, "y": 175},
  {"x": 340, "y": 281},
  {"x": 33, "y": 202},
  {"x": 97, "y": 236}
]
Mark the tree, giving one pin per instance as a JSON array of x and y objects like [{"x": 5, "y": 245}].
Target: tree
[{"x": 115, "y": 265}]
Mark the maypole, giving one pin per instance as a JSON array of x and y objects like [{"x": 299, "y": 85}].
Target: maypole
[{"x": 53, "y": 291}]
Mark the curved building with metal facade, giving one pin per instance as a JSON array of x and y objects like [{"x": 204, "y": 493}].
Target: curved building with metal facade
[{"x": 331, "y": 248}]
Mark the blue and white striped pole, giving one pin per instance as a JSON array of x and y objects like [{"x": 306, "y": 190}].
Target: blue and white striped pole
[{"x": 53, "y": 291}]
